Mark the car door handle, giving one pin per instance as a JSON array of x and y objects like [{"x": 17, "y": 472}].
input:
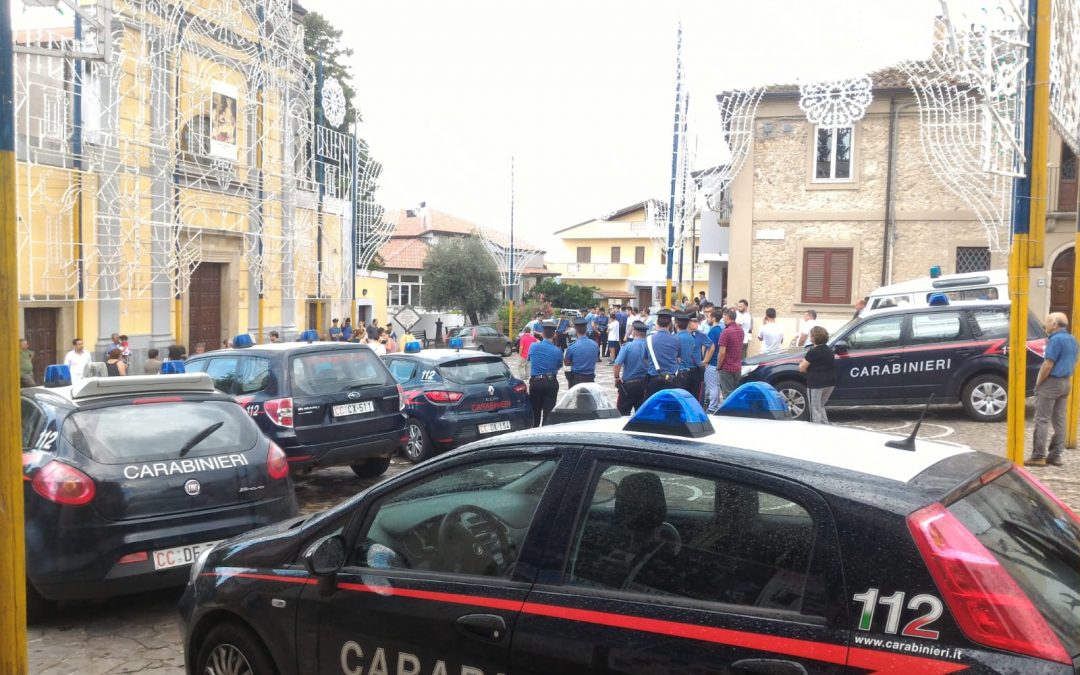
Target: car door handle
[
  {"x": 490, "y": 627},
  {"x": 768, "y": 667}
]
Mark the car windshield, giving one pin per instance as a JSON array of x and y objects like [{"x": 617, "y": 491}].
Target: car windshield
[
  {"x": 321, "y": 373},
  {"x": 1035, "y": 541},
  {"x": 158, "y": 431},
  {"x": 475, "y": 371}
]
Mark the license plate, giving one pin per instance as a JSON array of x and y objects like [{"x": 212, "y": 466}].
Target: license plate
[
  {"x": 493, "y": 427},
  {"x": 179, "y": 556},
  {"x": 354, "y": 408}
]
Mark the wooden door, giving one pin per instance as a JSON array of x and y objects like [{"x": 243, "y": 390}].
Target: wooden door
[
  {"x": 41, "y": 332},
  {"x": 313, "y": 316},
  {"x": 644, "y": 297},
  {"x": 1061, "y": 283},
  {"x": 1067, "y": 181},
  {"x": 204, "y": 307}
]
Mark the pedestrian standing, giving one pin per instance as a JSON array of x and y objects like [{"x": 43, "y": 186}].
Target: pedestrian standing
[
  {"x": 373, "y": 330},
  {"x": 346, "y": 330},
  {"x": 77, "y": 360},
  {"x": 177, "y": 353},
  {"x": 581, "y": 356},
  {"x": 152, "y": 364},
  {"x": 601, "y": 324},
  {"x": 613, "y": 332},
  {"x": 26, "y": 364},
  {"x": 632, "y": 370},
  {"x": 819, "y": 366},
  {"x": 335, "y": 331},
  {"x": 621, "y": 317},
  {"x": 114, "y": 364},
  {"x": 690, "y": 361},
  {"x": 200, "y": 347},
  {"x": 701, "y": 299},
  {"x": 729, "y": 354},
  {"x": 527, "y": 340},
  {"x": 1052, "y": 392},
  {"x": 125, "y": 350},
  {"x": 809, "y": 321},
  {"x": 665, "y": 352},
  {"x": 701, "y": 345},
  {"x": 115, "y": 343},
  {"x": 275, "y": 337},
  {"x": 545, "y": 359},
  {"x": 712, "y": 363},
  {"x": 746, "y": 322},
  {"x": 771, "y": 333},
  {"x": 860, "y": 306}
]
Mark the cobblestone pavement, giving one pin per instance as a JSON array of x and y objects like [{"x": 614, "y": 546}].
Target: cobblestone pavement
[{"x": 140, "y": 633}]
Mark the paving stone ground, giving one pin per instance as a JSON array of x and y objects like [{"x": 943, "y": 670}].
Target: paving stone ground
[{"x": 140, "y": 633}]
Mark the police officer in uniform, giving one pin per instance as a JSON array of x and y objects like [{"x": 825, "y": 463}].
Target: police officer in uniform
[
  {"x": 665, "y": 352},
  {"x": 581, "y": 356},
  {"x": 545, "y": 358},
  {"x": 701, "y": 345},
  {"x": 690, "y": 366},
  {"x": 632, "y": 370}
]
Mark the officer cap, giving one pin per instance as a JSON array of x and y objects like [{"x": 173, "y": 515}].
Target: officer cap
[
  {"x": 548, "y": 326},
  {"x": 682, "y": 317},
  {"x": 665, "y": 312},
  {"x": 639, "y": 325},
  {"x": 580, "y": 321}
]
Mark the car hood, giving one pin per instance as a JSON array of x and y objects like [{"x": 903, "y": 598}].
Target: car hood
[
  {"x": 775, "y": 357},
  {"x": 269, "y": 546}
]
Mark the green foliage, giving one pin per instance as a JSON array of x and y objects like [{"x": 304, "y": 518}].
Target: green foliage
[
  {"x": 460, "y": 274},
  {"x": 323, "y": 41},
  {"x": 564, "y": 296},
  {"x": 524, "y": 312}
]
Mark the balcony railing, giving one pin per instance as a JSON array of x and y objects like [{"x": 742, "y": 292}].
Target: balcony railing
[{"x": 590, "y": 270}]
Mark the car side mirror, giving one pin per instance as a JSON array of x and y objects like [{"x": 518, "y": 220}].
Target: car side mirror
[
  {"x": 325, "y": 557},
  {"x": 841, "y": 347}
]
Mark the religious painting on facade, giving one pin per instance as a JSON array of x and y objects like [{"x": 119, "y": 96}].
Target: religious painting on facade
[{"x": 223, "y": 121}]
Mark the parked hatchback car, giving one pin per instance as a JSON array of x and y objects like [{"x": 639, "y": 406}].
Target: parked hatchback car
[
  {"x": 127, "y": 480},
  {"x": 324, "y": 403},
  {"x": 457, "y": 396},
  {"x": 485, "y": 339},
  {"x": 895, "y": 356}
]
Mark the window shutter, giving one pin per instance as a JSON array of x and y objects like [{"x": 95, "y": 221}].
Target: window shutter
[
  {"x": 814, "y": 262},
  {"x": 827, "y": 276},
  {"x": 839, "y": 273}
]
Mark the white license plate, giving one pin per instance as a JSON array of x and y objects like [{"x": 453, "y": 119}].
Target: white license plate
[
  {"x": 179, "y": 556},
  {"x": 354, "y": 408},
  {"x": 494, "y": 426}
]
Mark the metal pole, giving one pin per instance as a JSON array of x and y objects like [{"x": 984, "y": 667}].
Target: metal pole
[
  {"x": 674, "y": 165},
  {"x": 1029, "y": 204},
  {"x": 12, "y": 552},
  {"x": 510, "y": 272},
  {"x": 261, "y": 196},
  {"x": 682, "y": 206},
  {"x": 355, "y": 243},
  {"x": 1073, "y": 409},
  {"x": 320, "y": 176},
  {"x": 76, "y": 151}
]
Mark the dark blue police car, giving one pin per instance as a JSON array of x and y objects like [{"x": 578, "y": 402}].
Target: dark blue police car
[
  {"x": 454, "y": 396},
  {"x": 128, "y": 479},
  {"x": 659, "y": 545},
  {"x": 956, "y": 352}
]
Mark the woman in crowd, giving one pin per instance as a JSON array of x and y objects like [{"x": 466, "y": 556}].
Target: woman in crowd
[{"x": 818, "y": 364}]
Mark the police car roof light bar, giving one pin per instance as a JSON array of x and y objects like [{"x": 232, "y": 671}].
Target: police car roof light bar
[
  {"x": 242, "y": 341},
  {"x": 309, "y": 336},
  {"x": 672, "y": 412},
  {"x": 413, "y": 347},
  {"x": 173, "y": 368},
  {"x": 755, "y": 399},
  {"x": 57, "y": 375},
  {"x": 142, "y": 384},
  {"x": 909, "y": 442},
  {"x": 455, "y": 343}
]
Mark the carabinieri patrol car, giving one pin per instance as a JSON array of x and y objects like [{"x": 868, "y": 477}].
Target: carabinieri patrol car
[
  {"x": 669, "y": 542},
  {"x": 957, "y": 353}
]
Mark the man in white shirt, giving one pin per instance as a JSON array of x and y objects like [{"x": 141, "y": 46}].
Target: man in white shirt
[
  {"x": 809, "y": 321},
  {"x": 76, "y": 360},
  {"x": 770, "y": 333},
  {"x": 746, "y": 322}
]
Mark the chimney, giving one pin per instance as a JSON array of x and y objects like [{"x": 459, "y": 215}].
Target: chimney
[{"x": 425, "y": 221}]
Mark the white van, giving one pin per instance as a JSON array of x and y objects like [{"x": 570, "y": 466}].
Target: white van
[{"x": 991, "y": 285}]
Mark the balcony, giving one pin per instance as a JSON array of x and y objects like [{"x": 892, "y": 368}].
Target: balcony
[
  {"x": 590, "y": 270},
  {"x": 1062, "y": 187}
]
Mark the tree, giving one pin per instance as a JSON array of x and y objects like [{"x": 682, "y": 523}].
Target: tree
[
  {"x": 323, "y": 42},
  {"x": 460, "y": 274},
  {"x": 564, "y": 296}
]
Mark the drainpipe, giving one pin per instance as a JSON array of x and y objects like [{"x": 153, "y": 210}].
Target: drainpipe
[{"x": 890, "y": 188}]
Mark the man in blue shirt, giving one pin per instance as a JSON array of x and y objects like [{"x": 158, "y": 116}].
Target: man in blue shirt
[
  {"x": 1052, "y": 392},
  {"x": 581, "y": 356},
  {"x": 632, "y": 371},
  {"x": 697, "y": 373},
  {"x": 346, "y": 330},
  {"x": 335, "y": 332},
  {"x": 665, "y": 351},
  {"x": 621, "y": 316},
  {"x": 712, "y": 372},
  {"x": 687, "y": 363},
  {"x": 545, "y": 359},
  {"x": 601, "y": 324}
]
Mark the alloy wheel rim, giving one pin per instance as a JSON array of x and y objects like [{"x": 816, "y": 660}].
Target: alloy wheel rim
[
  {"x": 226, "y": 659},
  {"x": 415, "y": 447},
  {"x": 989, "y": 399},
  {"x": 796, "y": 402}
]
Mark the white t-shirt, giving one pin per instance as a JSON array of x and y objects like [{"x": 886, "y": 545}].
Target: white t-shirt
[
  {"x": 77, "y": 363},
  {"x": 772, "y": 337},
  {"x": 806, "y": 328},
  {"x": 613, "y": 331},
  {"x": 745, "y": 322},
  {"x": 378, "y": 347}
]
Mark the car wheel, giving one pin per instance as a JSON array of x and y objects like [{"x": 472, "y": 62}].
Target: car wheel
[
  {"x": 232, "y": 649},
  {"x": 985, "y": 398},
  {"x": 38, "y": 607},
  {"x": 419, "y": 446},
  {"x": 372, "y": 468},
  {"x": 508, "y": 350},
  {"x": 798, "y": 401}
]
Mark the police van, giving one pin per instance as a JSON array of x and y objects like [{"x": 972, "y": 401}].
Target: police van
[
  {"x": 958, "y": 353},
  {"x": 989, "y": 285},
  {"x": 668, "y": 542}
]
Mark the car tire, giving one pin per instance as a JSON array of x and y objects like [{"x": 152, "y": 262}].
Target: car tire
[
  {"x": 38, "y": 607},
  {"x": 232, "y": 648},
  {"x": 508, "y": 350},
  {"x": 373, "y": 468},
  {"x": 985, "y": 398},
  {"x": 419, "y": 446},
  {"x": 796, "y": 397}
]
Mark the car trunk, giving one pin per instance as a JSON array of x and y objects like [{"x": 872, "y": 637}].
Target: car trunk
[
  {"x": 136, "y": 456},
  {"x": 342, "y": 394},
  {"x": 485, "y": 382}
]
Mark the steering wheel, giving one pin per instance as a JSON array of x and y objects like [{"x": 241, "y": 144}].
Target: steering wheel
[{"x": 477, "y": 547}]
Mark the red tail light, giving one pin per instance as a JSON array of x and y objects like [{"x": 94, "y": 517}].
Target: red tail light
[
  {"x": 984, "y": 599},
  {"x": 64, "y": 484},
  {"x": 277, "y": 462},
  {"x": 141, "y": 556},
  {"x": 443, "y": 396},
  {"x": 280, "y": 411},
  {"x": 520, "y": 388}
]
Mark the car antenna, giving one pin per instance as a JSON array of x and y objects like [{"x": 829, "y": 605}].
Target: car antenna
[{"x": 909, "y": 442}]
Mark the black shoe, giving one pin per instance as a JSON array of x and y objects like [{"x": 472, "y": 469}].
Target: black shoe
[{"x": 1055, "y": 461}]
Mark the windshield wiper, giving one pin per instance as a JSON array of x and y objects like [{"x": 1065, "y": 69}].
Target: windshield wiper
[
  {"x": 1070, "y": 556},
  {"x": 200, "y": 437},
  {"x": 495, "y": 378}
]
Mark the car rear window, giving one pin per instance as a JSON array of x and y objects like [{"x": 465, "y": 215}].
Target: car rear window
[
  {"x": 322, "y": 373},
  {"x": 475, "y": 371},
  {"x": 158, "y": 431},
  {"x": 1036, "y": 541}
]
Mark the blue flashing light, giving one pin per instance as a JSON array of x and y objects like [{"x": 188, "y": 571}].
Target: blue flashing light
[
  {"x": 672, "y": 412},
  {"x": 455, "y": 343},
  {"x": 57, "y": 375},
  {"x": 413, "y": 347},
  {"x": 755, "y": 399},
  {"x": 173, "y": 368},
  {"x": 309, "y": 336},
  {"x": 935, "y": 271},
  {"x": 242, "y": 340},
  {"x": 938, "y": 300}
]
